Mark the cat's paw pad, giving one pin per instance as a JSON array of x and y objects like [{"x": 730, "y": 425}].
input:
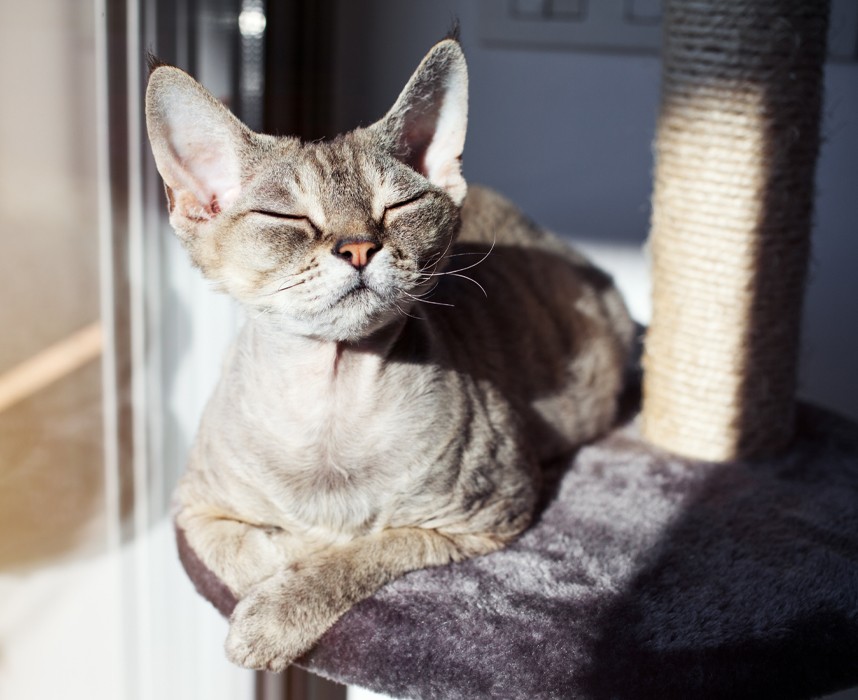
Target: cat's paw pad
[{"x": 265, "y": 635}]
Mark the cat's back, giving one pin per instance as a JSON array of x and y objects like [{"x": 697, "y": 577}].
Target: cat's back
[
  {"x": 508, "y": 247},
  {"x": 490, "y": 218},
  {"x": 522, "y": 309}
]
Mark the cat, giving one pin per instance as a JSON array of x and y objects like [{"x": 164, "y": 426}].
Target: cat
[{"x": 414, "y": 350}]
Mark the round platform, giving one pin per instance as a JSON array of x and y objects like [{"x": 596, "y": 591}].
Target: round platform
[{"x": 645, "y": 576}]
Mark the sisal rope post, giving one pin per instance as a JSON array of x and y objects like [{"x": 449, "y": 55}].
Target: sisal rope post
[{"x": 735, "y": 156}]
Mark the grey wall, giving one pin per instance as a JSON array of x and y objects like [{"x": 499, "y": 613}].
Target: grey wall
[
  {"x": 568, "y": 137},
  {"x": 830, "y": 345}
]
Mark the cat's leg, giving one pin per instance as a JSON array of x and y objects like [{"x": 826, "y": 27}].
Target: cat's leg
[
  {"x": 284, "y": 615},
  {"x": 239, "y": 553}
]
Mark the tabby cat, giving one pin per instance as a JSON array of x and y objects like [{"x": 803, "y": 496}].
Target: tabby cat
[{"x": 413, "y": 351}]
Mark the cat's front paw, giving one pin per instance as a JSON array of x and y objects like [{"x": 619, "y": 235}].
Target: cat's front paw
[{"x": 274, "y": 625}]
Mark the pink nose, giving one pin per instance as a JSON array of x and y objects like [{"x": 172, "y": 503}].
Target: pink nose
[{"x": 357, "y": 253}]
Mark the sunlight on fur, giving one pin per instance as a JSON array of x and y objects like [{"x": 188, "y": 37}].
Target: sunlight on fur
[{"x": 415, "y": 349}]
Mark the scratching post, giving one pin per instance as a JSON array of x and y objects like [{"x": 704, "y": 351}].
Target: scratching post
[{"x": 735, "y": 157}]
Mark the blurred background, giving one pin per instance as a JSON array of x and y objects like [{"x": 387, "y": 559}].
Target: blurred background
[{"x": 111, "y": 342}]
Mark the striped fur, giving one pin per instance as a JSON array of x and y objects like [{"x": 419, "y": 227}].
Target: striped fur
[{"x": 374, "y": 420}]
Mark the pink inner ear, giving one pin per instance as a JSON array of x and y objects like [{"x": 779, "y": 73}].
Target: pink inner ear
[
  {"x": 416, "y": 138},
  {"x": 432, "y": 130},
  {"x": 210, "y": 175},
  {"x": 198, "y": 145},
  {"x": 435, "y": 143}
]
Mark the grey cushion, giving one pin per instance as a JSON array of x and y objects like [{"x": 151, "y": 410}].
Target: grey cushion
[{"x": 645, "y": 576}]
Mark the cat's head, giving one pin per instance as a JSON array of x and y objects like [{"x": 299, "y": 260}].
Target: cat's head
[{"x": 335, "y": 238}]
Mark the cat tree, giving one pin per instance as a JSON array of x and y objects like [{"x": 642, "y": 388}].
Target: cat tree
[{"x": 709, "y": 549}]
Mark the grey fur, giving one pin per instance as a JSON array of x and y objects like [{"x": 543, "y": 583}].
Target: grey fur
[{"x": 371, "y": 421}]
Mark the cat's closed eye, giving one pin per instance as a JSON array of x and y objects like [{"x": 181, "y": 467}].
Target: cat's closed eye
[
  {"x": 279, "y": 215},
  {"x": 299, "y": 221},
  {"x": 403, "y": 204}
]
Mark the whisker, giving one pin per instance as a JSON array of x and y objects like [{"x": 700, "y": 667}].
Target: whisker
[
  {"x": 467, "y": 267},
  {"x": 299, "y": 282},
  {"x": 418, "y": 277},
  {"x": 470, "y": 279},
  {"x": 405, "y": 313},
  {"x": 440, "y": 257},
  {"x": 470, "y": 252},
  {"x": 482, "y": 260},
  {"x": 428, "y": 291},
  {"x": 432, "y": 261},
  {"x": 283, "y": 289},
  {"x": 306, "y": 275},
  {"x": 424, "y": 301}
]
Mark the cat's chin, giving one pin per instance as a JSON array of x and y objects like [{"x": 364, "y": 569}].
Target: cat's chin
[
  {"x": 352, "y": 335},
  {"x": 348, "y": 321}
]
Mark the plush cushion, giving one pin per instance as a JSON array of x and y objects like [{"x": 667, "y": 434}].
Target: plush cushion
[{"x": 644, "y": 576}]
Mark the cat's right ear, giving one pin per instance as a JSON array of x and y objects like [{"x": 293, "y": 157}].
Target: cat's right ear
[
  {"x": 425, "y": 128},
  {"x": 197, "y": 144}
]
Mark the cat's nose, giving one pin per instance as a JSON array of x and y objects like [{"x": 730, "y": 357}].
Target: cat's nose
[{"x": 356, "y": 252}]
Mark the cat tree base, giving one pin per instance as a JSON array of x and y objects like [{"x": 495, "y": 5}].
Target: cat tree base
[{"x": 641, "y": 578}]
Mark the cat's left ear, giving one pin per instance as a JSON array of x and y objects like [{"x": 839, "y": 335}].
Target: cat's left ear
[
  {"x": 426, "y": 126},
  {"x": 197, "y": 144}
]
